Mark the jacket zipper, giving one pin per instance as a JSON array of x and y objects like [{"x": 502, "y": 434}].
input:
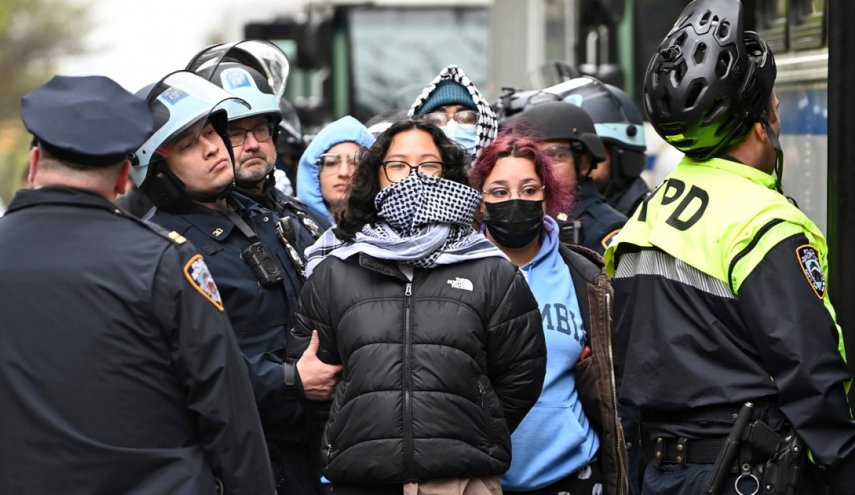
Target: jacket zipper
[{"x": 409, "y": 461}]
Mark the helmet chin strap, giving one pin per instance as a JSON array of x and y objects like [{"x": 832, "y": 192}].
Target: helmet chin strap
[
  {"x": 213, "y": 197},
  {"x": 779, "y": 154}
]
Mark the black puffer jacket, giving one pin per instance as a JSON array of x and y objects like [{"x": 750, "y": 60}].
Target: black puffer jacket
[{"x": 437, "y": 371}]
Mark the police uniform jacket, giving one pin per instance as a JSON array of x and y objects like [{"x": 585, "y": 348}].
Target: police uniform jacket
[
  {"x": 437, "y": 371},
  {"x": 721, "y": 299},
  {"x": 594, "y": 222},
  {"x": 261, "y": 316},
  {"x": 120, "y": 373},
  {"x": 627, "y": 199},
  {"x": 310, "y": 224}
]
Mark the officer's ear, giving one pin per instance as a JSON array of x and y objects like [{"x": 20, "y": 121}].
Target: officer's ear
[
  {"x": 35, "y": 153},
  {"x": 759, "y": 129},
  {"x": 123, "y": 179}
]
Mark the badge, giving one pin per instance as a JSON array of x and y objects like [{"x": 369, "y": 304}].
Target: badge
[
  {"x": 200, "y": 278},
  {"x": 607, "y": 240},
  {"x": 809, "y": 260},
  {"x": 172, "y": 96},
  {"x": 236, "y": 78}
]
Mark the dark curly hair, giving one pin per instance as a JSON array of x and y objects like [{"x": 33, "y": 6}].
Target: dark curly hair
[{"x": 365, "y": 183}]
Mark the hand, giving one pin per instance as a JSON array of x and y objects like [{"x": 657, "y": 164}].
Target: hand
[{"x": 319, "y": 378}]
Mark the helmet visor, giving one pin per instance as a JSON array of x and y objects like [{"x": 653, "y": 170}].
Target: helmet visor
[
  {"x": 178, "y": 101},
  {"x": 261, "y": 55}
]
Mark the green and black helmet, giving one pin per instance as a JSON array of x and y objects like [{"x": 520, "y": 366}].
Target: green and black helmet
[{"x": 709, "y": 81}]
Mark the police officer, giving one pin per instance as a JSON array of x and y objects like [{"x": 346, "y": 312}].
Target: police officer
[
  {"x": 721, "y": 305},
  {"x": 570, "y": 140},
  {"x": 618, "y": 123},
  {"x": 245, "y": 69},
  {"x": 120, "y": 371},
  {"x": 187, "y": 170}
]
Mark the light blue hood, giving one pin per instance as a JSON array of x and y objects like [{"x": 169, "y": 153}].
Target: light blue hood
[{"x": 308, "y": 174}]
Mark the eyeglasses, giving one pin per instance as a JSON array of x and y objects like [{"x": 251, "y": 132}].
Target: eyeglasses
[
  {"x": 440, "y": 119},
  {"x": 261, "y": 133},
  {"x": 330, "y": 163},
  {"x": 397, "y": 170},
  {"x": 564, "y": 153},
  {"x": 528, "y": 192}
]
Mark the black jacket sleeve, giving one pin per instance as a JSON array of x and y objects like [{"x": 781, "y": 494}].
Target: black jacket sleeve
[
  {"x": 516, "y": 350},
  {"x": 798, "y": 339},
  {"x": 209, "y": 364},
  {"x": 312, "y": 314}
]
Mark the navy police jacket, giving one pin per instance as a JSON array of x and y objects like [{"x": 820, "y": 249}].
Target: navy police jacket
[
  {"x": 120, "y": 372},
  {"x": 261, "y": 316},
  {"x": 594, "y": 222}
]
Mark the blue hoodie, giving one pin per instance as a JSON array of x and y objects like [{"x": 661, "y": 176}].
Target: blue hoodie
[
  {"x": 555, "y": 439},
  {"x": 308, "y": 171}
]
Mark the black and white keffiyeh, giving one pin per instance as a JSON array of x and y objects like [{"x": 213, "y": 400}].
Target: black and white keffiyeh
[
  {"x": 425, "y": 222},
  {"x": 487, "y": 125}
]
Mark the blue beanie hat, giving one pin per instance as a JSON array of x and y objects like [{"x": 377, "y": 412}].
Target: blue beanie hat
[{"x": 447, "y": 92}]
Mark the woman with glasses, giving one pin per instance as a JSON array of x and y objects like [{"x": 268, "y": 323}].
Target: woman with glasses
[
  {"x": 570, "y": 139},
  {"x": 325, "y": 169},
  {"x": 573, "y": 424},
  {"x": 438, "y": 334}
]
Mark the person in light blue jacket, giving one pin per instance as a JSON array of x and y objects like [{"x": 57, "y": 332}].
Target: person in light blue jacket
[
  {"x": 555, "y": 448},
  {"x": 323, "y": 174}
]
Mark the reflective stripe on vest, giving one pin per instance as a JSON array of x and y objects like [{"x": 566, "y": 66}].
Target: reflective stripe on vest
[{"x": 720, "y": 217}]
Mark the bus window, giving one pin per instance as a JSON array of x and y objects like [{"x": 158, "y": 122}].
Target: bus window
[
  {"x": 809, "y": 24},
  {"x": 396, "y": 52},
  {"x": 772, "y": 24}
]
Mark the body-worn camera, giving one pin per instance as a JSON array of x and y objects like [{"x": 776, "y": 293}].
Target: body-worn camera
[{"x": 263, "y": 264}]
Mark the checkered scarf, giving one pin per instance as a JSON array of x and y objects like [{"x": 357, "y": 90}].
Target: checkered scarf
[
  {"x": 425, "y": 222},
  {"x": 487, "y": 124}
]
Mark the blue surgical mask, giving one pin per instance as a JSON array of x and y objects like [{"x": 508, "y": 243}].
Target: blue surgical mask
[{"x": 465, "y": 135}]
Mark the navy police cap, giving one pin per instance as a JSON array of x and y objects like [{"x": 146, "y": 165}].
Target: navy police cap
[{"x": 87, "y": 120}]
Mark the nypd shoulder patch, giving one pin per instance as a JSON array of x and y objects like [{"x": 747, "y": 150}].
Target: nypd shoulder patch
[
  {"x": 808, "y": 257},
  {"x": 197, "y": 273}
]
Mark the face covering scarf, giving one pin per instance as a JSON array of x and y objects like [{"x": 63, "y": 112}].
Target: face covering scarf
[{"x": 425, "y": 221}]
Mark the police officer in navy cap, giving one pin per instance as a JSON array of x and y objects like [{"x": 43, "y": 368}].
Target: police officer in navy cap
[
  {"x": 571, "y": 141},
  {"x": 120, "y": 371}
]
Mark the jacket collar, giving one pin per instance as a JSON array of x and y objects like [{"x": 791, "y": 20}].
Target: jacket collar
[
  {"x": 384, "y": 267},
  {"x": 60, "y": 196},
  {"x": 735, "y": 168},
  {"x": 211, "y": 222}
]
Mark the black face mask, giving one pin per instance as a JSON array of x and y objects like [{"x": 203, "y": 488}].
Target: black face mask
[{"x": 514, "y": 223}]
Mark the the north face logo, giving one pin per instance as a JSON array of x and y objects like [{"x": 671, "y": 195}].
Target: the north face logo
[{"x": 461, "y": 283}]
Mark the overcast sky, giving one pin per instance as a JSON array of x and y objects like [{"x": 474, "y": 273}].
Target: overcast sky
[{"x": 138, "y": 42}]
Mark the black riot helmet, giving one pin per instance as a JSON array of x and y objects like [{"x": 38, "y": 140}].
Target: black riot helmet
[
  {"x": 617, "y": 121},
  {"x": 554, "y": 120},
  {"x": 709, "y": 81}
]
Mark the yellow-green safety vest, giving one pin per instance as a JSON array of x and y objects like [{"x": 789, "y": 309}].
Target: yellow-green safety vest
[{"x": 720, "y": 217}]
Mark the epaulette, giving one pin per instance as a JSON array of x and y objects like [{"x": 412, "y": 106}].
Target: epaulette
[
  {"x": 171, "y": 235},
  {"x": 176, "y": 237}
]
